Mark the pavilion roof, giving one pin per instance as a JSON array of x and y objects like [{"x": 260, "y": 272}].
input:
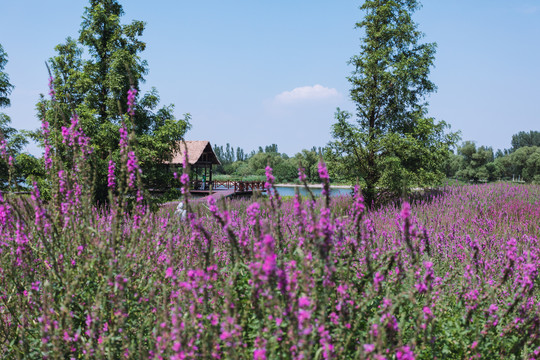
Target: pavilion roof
[{"x": 199, "y": 152}]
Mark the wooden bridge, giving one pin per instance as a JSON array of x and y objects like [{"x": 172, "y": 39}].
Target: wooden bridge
[
  {"x": 226, "y": 188},
  {"x": 239, "y": 186},
  {"x": 220, "y": 189}
]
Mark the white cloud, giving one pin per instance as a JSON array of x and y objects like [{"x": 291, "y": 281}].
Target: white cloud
[{"x": 307, "y": 93}]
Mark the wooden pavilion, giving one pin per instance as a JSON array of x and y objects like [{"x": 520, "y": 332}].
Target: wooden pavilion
[{"x": 200, "y": 157}]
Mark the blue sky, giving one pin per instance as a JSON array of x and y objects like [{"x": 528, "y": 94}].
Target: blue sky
[{"x": 255, "y": 72}]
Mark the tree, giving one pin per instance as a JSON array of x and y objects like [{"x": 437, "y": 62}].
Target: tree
[
  {"x": 523, "y": 163},
  {"x": 5, "y": 85},
  {"x": 531, "y": 171},
  {"x": 11, "y": 141},
  {"x": 477, "y": 163},
  {"x": 284, "y": 169},
  {"x": 271, "y": 148},
  {"x": 240, "y": 155},
  {"x": 452, "y": 165},
  {"x": 96, "y": 87},
  {"x": 392, "y": 144},
  {"x": 309, "y": 159},
  {"x": 11, "y": 144},
  {"x": 523, "y": 138}
]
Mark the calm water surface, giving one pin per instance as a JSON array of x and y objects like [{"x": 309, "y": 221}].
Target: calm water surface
[{"x": 290, "y": 191}]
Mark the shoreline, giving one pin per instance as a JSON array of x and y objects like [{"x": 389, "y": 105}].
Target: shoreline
[{"x": 316, "y": 186}]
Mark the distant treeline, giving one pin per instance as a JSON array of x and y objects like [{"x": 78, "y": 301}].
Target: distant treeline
[
  {"x": 481, "y": 164},
  {"x": 238, "y": 163},
  {"x": 470, "y": 162}
]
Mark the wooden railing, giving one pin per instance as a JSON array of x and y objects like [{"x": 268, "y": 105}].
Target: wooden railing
[
  {"x": 241, "y": 186},
  {"x": 238, "y": 186}
]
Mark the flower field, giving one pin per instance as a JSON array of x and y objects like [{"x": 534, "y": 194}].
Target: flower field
[{"x": 451, "y": 276}]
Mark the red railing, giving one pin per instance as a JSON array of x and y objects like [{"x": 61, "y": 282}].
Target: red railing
[
  {"x": 241, "y": 186},
  {"x": 238, "y": 186}
]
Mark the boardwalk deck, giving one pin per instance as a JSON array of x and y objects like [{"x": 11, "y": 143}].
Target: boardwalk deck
[
  {"x": 218, "y": 194},
  {"x": 221, "y": 189}
]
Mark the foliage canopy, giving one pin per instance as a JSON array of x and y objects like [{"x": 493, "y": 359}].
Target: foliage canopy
[
  {"x": 392, "y": 145},
  {"x": 92, "y": 76}
]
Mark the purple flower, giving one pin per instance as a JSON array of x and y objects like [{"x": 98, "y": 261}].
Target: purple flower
[
  {"x": 110, "y": 177},
  {"x": 259, "y": 354},
  {"x": 421, "y": 287},
  {"x": 52, "y": 92},
  {"x": 253, "y": 212},
  {"x": 301, "y": 174},
  {"x": 368, "y": 348},
  {"x": 212, "y": 205},
  {"x": 377, "y": 280},
  {"x": 269, "y": 178},
  {"x": 61, "y": 182},
  {"x": 323, "y": 172},
  {"x": 427, "y": 312},
  {"x": 4, "y": 211},
  {"x": 132, "y": 167},
  {"x": 405, "y": 210},
  {"x": 184, "y": 179},
  {"x": 405, "y": 353},
  {"x": 123, "y": 144},
  {"x": 269, "y": 264},
  {"x": 358, "y": 206},
  {"x": 47, "y": 156},
  {"x": 325, "y": 341},
  {"x": 304, "y": 302},
  {"x": 132, "y": 92}
]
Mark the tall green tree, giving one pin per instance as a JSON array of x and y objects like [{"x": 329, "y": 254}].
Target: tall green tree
[
  {"x": 391, "y": 144},
  {"x": 15, "y": 167},
  {"x": 11, "y": 140},
  {"x": 523, "y": 138},
  {"x": 92, "y": 76},
  {"x": 5, "y": 85},
  {"x": 477, "y": 163},
  {"x": 309, "y": 160}
]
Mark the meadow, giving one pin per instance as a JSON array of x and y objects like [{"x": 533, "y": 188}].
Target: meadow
[{"x": 452, "y": 276}]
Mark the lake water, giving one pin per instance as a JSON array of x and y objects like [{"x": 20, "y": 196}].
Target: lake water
[{"x": 290, "y": 191}]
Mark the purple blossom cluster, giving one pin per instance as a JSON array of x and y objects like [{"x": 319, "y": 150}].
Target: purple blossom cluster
[
  {"x": 74, "y": 136},
  {"x": 111, "y": 177},
  {"x": 132, "y": 168},
  {"x": 132, "y": 94},
  {"x": 123, "y": 144},
  {"x": 52, "y": 91},
  {"x": 47, "y": 155}
]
